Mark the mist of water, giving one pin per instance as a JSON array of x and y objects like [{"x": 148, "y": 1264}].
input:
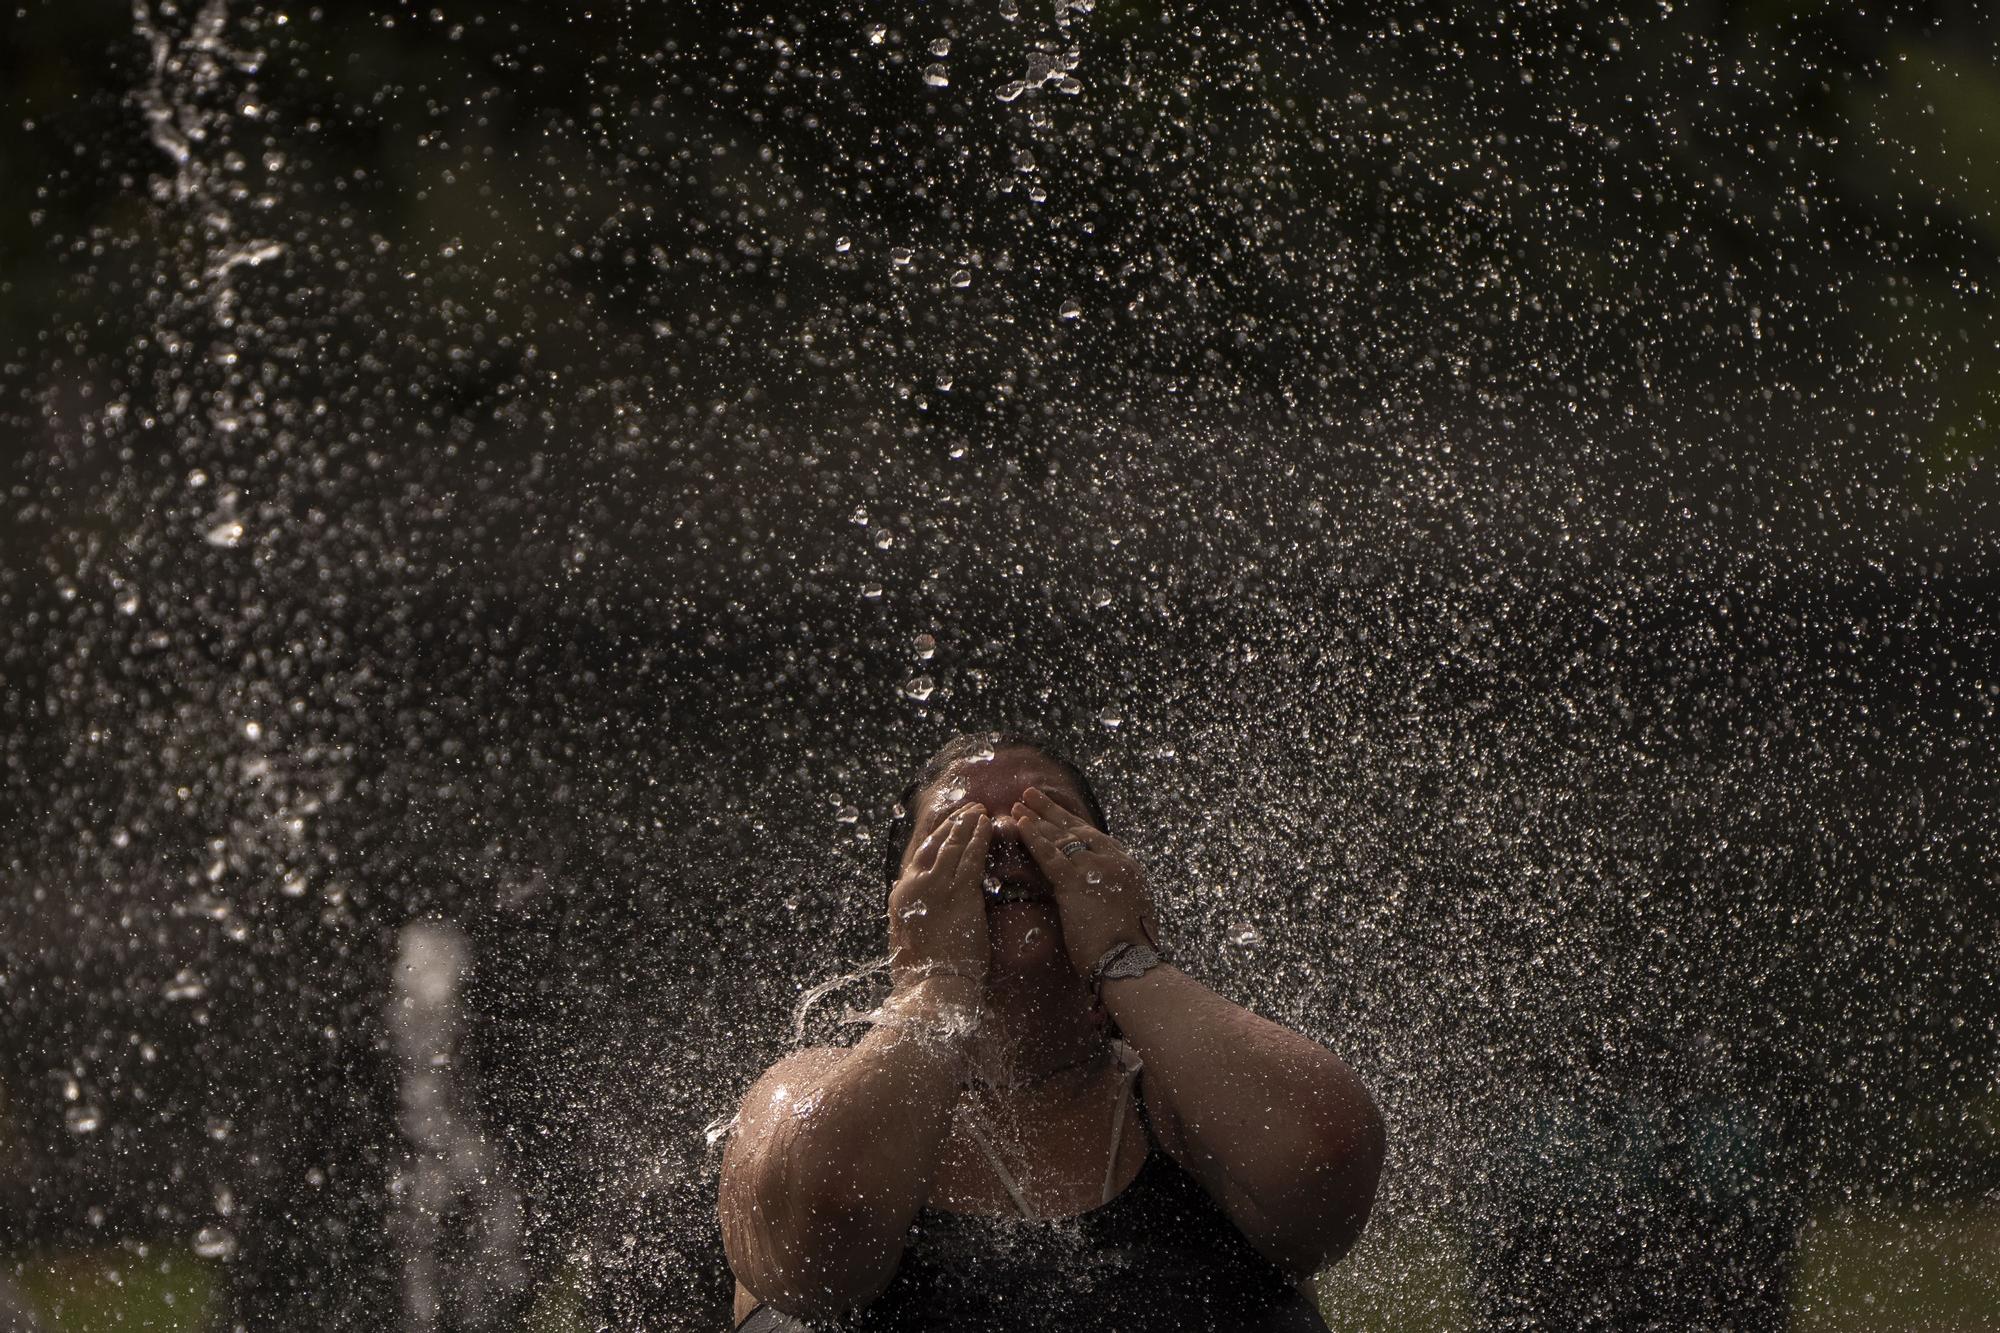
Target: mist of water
[{"x": 1510, "y": 549}]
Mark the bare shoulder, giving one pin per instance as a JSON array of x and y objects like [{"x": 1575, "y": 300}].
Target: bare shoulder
[
  {"x": 778, "y": 1083},
  {"x": 756, "y": 1130},
  {"x": 760, "y": 1116},
  {"x": 809, "y": 1062}
]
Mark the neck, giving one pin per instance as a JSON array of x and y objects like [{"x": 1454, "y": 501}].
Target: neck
[{"x": 1035, "y": 1027}]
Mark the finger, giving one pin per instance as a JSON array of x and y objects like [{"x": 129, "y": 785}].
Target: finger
[
  {"x": 1047, "y": 807},
  {"x": 963, "y": 823},
  {"x": 933, "y": 847},
  {"x": 972, "y": 861},
  {"x": 920, "y": 855},
  {"x": 1061, "y": 835},
  {"x": 1042, "y": 844}
]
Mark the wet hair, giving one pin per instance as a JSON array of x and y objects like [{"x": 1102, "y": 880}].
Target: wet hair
[{"x": 964, "y": 746}]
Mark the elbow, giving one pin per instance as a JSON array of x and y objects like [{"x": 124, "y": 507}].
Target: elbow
[
  {"x": 813, "y": 1253},
  {"x": 1326, "y": 1208},
  {"x": 1353, "y": 1172},
  {"x": 835, "y": 1265}
]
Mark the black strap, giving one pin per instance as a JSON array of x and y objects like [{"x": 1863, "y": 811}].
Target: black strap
[{"x": 769, "y": 1319}]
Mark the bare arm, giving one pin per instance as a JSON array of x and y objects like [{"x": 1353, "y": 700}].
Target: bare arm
[
  {"x": 835, "y": 1151},
  {"x": 833, "y": 1154},
  {"x": 1275, "y": 1127}
]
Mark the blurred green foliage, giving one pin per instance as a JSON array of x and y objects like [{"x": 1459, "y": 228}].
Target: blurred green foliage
[
  {"x": 1399, "y": 1280},
  {"x": 159, "y": 1290},
  {"x": 1898, "y": 1269}
]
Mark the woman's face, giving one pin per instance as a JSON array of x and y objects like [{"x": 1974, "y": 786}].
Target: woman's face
[{"x": 1021, "y": 916}]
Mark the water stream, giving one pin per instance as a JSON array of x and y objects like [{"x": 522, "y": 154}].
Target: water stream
[{"x": 1500, "y": 498}]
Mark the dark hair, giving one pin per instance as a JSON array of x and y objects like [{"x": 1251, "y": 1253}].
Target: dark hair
[{"x": 964, "y": 746}]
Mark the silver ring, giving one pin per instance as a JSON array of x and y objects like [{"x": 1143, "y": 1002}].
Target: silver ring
[{"x": 1072, "y": 848}]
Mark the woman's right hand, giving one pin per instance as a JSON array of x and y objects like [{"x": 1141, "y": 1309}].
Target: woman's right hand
[{"x": 937, "y": 913}]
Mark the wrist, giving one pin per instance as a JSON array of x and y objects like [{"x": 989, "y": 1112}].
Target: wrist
[
  {"x": 1128, "y": 1000},
  {"x": 946, "y": 1003},
  {"x": 1143, "y": 929},
  {"x": 1123, "y": 960}
]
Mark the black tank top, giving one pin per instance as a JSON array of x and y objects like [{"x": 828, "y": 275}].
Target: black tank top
[{"x": 1161, "y": 1257}]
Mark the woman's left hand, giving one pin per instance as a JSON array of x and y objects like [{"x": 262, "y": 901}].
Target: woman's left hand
[{"x": 1100, "y": 890}]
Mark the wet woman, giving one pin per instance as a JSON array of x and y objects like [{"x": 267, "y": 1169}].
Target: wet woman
[{"x": 1049, "y": 1126}]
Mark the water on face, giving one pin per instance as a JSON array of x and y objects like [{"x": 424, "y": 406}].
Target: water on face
[{"x": 1501, "y": 504}]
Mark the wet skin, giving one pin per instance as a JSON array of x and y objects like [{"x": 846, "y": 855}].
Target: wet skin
[
  {"x": 837, "y": 1149},
  {"x": 1026, "y": 936}
]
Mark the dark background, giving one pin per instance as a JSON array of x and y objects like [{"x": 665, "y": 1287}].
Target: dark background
[{"x": 1510, "y": 521}]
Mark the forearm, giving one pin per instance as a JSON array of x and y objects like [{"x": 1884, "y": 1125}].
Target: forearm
[
  {"x": 871, "y": 1130},
  {"x": 850, "y": 1158},
  {"x": 1272, "y": 1122}
]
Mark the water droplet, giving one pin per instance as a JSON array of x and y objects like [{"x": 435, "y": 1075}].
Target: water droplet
[
  {"x": 883, "y": 539},
  {"x": 718, "y": 1129},
  {"x": 916, "y": 911},
  {"x": 1111, "y": 719},
  {"x": 936, "y": 76},
  {"x": 961, "y": 277},
  {"x": 1010, "y": 9},
  {"x": 860, "y": 515},
  {"x": 227, "y": 533},
  {"x": 925, "y": 646},
  {"x": 253, "y": 731},
  {"x": 941, "y": 47},
  {"x": 1070, "y": 311},
  {"x": 185, "y": 986},
  {"x": 877, "y": 33},
  {"x": 1033, "y": 935},
  {"x": 82, "y": 1118},
  {"x": 843, "y": 244},
  {"x": 1244, "y": 935},
  {"x": 920, "y": 688},
  {"x": 214, "y": 1243},
  {"x": 127, "y": 602},
  {"x": 1009, "y": 92},
  {"x": 901, "y": 255},
  {"x": 872, "y": 591},
  {"x": 847, "y": 814}
]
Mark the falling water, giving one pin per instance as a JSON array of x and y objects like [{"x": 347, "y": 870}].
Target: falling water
[
  {"x": 1502, "y": 501},
  {"x": 457, "y": 1217}
]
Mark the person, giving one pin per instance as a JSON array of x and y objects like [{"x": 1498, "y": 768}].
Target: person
[{"x": 972, "y": 1162}]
